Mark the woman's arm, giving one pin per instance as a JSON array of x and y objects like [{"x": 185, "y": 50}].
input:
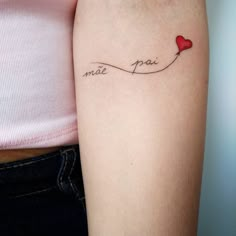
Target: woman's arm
[{"x": 141, "y": 113}]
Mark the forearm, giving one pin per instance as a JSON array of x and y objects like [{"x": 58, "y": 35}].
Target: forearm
[{"x": 141, "y": 114}]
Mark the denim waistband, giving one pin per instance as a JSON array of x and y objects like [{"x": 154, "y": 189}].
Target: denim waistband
[{"x": 59, "y": 169}]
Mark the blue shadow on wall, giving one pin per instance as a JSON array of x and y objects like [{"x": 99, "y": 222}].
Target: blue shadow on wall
[{"x": 217, "y": 214}]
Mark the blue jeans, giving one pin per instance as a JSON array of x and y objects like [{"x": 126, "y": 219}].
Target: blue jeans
[{"x": 43, "y": 195}]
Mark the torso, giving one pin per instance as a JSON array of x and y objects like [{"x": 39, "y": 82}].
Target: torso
[
  {"x": 35, "y": 76},
  {"x": 31, "y": 21},
  {"x": 18, "y": 154}
]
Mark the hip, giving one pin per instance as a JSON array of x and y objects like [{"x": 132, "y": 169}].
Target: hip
[
  {"x": 19, "y": 154},
  {"x": 43, "y": 195}
]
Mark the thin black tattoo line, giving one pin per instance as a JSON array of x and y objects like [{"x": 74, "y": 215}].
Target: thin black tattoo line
[{"x": 143, "y": 73}]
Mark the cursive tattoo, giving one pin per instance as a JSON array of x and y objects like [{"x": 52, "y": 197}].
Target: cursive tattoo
[
  {"x": 141, "y": 63},
  {"x": 134, "y": 71},
  {"x": 102, "y": 69},
  {"x": 99, "y": 71}
]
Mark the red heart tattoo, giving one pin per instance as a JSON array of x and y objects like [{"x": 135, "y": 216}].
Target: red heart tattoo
[{"x": 183, "y": 44}]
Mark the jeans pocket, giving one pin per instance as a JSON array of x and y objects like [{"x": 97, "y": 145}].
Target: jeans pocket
[
  {"x": 79, "y": 193},
  {"x": 70, "y": 179}
]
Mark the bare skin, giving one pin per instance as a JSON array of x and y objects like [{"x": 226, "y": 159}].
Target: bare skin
[
  {"x": 19, "y": 154},
  {"x": 141, "y": 73}
]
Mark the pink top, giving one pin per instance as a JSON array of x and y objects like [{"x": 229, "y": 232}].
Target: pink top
[{"x": 37, "y": 89}]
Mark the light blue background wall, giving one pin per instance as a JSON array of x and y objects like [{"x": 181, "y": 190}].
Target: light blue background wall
[{"x": 217, "y": 216}]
